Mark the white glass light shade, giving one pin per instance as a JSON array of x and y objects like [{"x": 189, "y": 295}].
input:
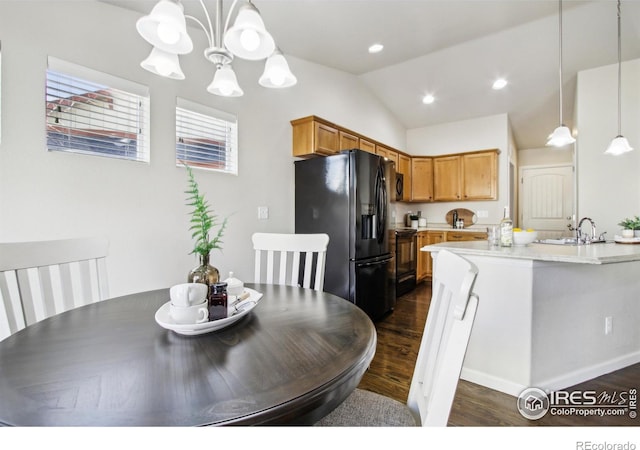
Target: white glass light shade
[
  {"x": 165, "y": 28},
  {"x": 560, "y": 137},
  {"x": 277, "y": 73},
  {"x": 225, "y": 83},
  {"x": 618, "y": 146},
  {"x": 248, "y": 37},
  {"x": 164, "y": 64}
]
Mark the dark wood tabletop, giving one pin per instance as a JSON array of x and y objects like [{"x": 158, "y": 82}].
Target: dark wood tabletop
[{"x": 292, "y": 359}]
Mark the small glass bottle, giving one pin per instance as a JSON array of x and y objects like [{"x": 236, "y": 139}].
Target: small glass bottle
[
  {"x": 217, "y": 302},
  {"x": 506, "y": 229}
]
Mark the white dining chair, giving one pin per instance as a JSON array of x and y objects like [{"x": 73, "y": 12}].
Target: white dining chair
[
  {"x": 41, "y": 278},
  {"x": 278, "y": 259},
  {"x": 444, "y": 343}
]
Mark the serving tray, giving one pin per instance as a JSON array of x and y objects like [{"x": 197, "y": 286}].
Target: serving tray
[{"x": 236, "y": 311}]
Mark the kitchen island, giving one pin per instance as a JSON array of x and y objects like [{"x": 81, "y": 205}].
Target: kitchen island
[{"x": 551, "y": 316}]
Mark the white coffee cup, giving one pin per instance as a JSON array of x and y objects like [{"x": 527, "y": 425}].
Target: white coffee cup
[
  {"x": 188, "y": 294},
  {"x": 189, "y": 314}
]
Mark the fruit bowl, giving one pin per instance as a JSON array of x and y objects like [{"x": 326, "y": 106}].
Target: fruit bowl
[{"x": 523, "y": 237}]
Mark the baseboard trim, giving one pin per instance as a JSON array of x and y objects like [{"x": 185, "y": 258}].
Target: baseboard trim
[
  {"x": 551, "y": 384},
  {"x": 589, "y": 373}
]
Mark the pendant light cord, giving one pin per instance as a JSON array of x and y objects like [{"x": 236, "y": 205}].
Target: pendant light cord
[
  {"x": 619, "y": 75},
  {"x": 560, "y": 56}
]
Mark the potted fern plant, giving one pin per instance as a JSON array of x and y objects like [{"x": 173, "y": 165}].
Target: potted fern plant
[
  {"x": 629, "y": 226},
  {"x": 203, "y": 222}
]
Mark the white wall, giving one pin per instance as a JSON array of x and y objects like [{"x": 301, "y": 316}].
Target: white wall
[
  {"x": 140, "y": 207},
  {"x": 464, "y": 136},
  {"x": 608, "y": 186}
]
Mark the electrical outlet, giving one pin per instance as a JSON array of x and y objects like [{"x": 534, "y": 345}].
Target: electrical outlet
[
  {"x": 482, "y": 214},
  {"x": 608, "y": 325},
  {"x": 263, "y": 212}
]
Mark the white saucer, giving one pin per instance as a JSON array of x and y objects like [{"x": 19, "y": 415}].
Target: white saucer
[{"x": 235, "y": 313}]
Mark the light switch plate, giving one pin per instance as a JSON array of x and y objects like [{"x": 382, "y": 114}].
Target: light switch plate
[{"x": 263, "y": 212}]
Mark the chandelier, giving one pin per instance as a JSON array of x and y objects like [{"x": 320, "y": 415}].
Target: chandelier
[{"x": 165, "y": 28}]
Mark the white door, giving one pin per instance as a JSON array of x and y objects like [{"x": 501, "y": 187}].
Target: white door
[{"x": 546, "y": 199}]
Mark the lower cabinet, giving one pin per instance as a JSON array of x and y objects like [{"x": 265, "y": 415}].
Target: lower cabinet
[{"x": 424, "y": 269}]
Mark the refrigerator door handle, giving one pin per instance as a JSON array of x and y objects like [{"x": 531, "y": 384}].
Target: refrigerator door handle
[{"x": 381, "y": 203}]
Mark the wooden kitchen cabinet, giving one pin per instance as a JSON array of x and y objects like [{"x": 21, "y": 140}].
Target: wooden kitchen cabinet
[
  {"x": 447, "y": 182},
  {"x": 347, "y": 140},
  {"x": 466, "y": 176},
  {"x": 422, "y": 180},
  {"x": 312, "y": 136},
  {"x": 424, "y": 267},
  {"x": 386, "y": 152},
  {"x": 367, "y": 146},
  {"x": 404, "y": 167},
  {"x": 480, "y": 175},
  {"x": 466, "y": 236}
]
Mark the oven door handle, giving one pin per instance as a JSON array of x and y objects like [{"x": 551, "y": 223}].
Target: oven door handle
[{"x": 376, "y": 262}]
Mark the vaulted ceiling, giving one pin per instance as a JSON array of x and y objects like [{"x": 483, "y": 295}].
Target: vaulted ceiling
[{"x": 453, "y": 49}]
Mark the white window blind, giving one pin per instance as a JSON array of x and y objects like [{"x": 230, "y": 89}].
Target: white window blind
[
  {"x": 206, "y": 137},
  {"x": 94, "y": 113}
]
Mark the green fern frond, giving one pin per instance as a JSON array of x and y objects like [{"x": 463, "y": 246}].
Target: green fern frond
[{"x": 203, "y": 220}]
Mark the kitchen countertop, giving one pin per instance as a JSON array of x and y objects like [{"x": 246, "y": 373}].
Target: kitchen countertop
[{"x": 604, "y": 253}]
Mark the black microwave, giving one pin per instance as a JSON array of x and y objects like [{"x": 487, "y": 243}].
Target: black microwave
[{"x": 399, "y": 187}]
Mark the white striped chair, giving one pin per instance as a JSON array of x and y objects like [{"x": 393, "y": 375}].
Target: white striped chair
[
  {"x": 278, "y": 259},
  {"x": 452, "y": 312},
  {"x": 41, "y": 278}
]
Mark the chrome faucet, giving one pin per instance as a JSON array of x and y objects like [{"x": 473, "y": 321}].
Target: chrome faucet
[{"x": 585, "y": 239}]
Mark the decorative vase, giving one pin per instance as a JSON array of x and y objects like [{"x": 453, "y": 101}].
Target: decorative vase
[
  {"x": 204, "y": 273},
  {"x": 626, "y": 233}
]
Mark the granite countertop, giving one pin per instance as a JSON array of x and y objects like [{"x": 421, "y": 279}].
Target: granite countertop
[{"x": 604, "y": 253}]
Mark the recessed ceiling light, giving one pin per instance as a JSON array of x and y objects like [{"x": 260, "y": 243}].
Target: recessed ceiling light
[
  {"x": 376, "y": 48},
  {"x": 499, "y": 84},
  {"x": 428, "y": 99}
]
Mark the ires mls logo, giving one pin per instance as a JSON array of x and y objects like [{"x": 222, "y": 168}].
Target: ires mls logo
[{"x": 534, "y": 403}]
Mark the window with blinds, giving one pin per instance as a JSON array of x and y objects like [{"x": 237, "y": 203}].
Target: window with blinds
[
  {"x": 206, "y": 138},
  {"x": 94, "y": 113}
]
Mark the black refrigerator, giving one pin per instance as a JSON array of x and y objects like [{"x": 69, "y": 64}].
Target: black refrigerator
[{"x": 347, "y": 196}]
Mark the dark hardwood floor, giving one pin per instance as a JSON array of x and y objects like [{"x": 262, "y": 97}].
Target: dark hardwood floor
[{"x": 391, "y": 370}]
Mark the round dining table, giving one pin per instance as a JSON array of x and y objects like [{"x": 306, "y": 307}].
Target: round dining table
[{"x": 296, "y": 356}]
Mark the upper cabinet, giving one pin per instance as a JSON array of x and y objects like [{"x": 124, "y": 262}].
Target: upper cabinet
[
  {"x": 347, "y": 140},
  {"x": 447, "y": 186},
  {"x": 314, "y": 137},
  {"x": 421, "y": 179},
  {"x": 367, "y": 146},
  {"x": 466, "y": 176},
  {"x": 404, "y": 167},
  {"x": 387, "y": 153},
  {"x": 480, "y": 175},
  {"x": 443, "y": 178}
]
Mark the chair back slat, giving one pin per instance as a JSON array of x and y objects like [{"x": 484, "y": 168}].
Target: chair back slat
[
  {"x": 444, "y": 342},
  {"x": 42, "y": 278},
  {"x": 289, "y": 250}
]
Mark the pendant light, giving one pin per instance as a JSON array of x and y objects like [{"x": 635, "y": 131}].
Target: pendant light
[
  {"x": 561, "y": 136},
  {"x": 619, "y": 144}
]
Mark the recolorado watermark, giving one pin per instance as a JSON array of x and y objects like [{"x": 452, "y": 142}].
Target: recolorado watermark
[
  {"x": 534, "y": 403},
  {"x": 589, "y": 445}
]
